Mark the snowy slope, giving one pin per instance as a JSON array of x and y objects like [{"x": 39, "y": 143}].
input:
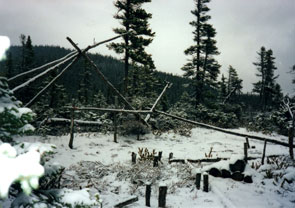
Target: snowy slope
[{"x": 98, "y": 163}]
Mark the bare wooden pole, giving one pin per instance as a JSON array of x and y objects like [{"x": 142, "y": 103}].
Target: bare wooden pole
[
  {"x": 206, "y": 182},
  {"x": 223, "y": 130},
  {"x": 72, "y": 127},
  {"x": 106, "y": 80},
  {"x": 291, "y": 141},
  {"x": 248, "y": 144},
  {"x": 246, "y": 152},
  {"x": 168, "y": 85},
  {"x": 109, "y": 110},
  {"x": 42, "y": 67},
  {"x": 51, "y": 82},
  {"x": 42, "y": 74},
  {"x": 263, "y": 154},
  {"x": 115, "y": 121}
]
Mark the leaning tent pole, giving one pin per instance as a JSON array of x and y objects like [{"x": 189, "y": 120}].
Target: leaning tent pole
[
  {"x": 51, "y": 82},
  {"x": 168, "y": 85},
  {"x": 105, "y": 79},
  {"x": 42, "y": 74},
  {"x": 41, "y": 67}
]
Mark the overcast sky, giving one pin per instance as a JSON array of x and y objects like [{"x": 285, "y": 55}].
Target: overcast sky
[{"x": 242, "y": 26}]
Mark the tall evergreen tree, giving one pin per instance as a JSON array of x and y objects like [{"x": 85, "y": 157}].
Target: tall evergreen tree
[
  {"x": 134, "y": 21},
  {"x": 202, "y": 67},
  {"x": 266, "y": 85},
  {"x": 223, "y": 87}
]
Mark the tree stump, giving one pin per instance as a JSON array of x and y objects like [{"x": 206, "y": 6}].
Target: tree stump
[{"x": 162, "y": 196}]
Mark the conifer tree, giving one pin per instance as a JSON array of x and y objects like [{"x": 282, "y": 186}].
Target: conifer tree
[
  {"x": 134, "y": 21},
  {"x": 266, "y": 85},
  {"x": 203, "y": 69},
  {"x": 222, "y": 87},
  {"x": 234, "y": 83}
]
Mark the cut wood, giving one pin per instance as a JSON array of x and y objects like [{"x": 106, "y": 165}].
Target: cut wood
[
  {"x": 127, "y": 202},
  {"x": 224, "y": 130}
]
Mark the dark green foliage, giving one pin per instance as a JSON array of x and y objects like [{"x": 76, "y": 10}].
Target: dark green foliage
[
  {"x": 203, "y": 69},
  {"x": 266, "y": 87},
  {"x": 13, "y": 119},
  {"x": 134, "y": 21}
]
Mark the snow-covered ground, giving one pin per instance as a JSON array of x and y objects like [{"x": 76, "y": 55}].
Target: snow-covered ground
[{"x": 96, "y": 162}]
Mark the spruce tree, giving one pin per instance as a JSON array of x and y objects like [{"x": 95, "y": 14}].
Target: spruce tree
[
  {"x": 234, "y": 83},
  {"x": 134, "y": 21},
  {"x": 85, "y": 85},
  {"x": 266, "y": 85},
  {"x": 203, "y": 69}
]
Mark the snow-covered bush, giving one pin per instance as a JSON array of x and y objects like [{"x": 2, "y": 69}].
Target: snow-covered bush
[
  {"x": 13, "y": 118},
  {"x": 24, "y": 168}
]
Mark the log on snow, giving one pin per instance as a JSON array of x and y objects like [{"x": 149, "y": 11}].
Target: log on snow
[
  {"x": 224, "y": 130},
  {"x": 127, "y": 202}
]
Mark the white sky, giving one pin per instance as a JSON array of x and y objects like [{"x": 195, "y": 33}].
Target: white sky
[{"x": 243, "y": 26}]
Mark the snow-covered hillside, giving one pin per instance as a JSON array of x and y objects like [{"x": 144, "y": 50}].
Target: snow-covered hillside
[{"x": 96, "y": 162}]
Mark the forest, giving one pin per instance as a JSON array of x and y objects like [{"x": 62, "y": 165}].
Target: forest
[{"x": 81, "y": 129}]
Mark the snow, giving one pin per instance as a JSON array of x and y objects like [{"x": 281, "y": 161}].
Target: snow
[
  {"x": 4, "y": 45},
  {"x": 74, "y": 198},
  {"x": 96, "y": 162},
  {"x": 24, "y": 167}
]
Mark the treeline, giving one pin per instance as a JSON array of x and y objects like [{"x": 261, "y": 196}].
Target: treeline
[{"x": 73, "y": 79}]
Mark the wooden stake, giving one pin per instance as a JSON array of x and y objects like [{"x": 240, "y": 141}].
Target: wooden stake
[
  {"x": 115, "y": 120},
  {"x": 170, "y": 155},
  {"x": 246, "y": 152},
  {"x": 263, "y": 154},
  {"x": 291, "y": 140},
  {"x": 248, "y": 144},
  {"x": 206, "y": 182},
  {"x": 72, "y": 127},
  {"x": 160, "y": 155},
  {"x": 162, "y": 196},
  {"x": 133, "y": 158},
  {"x": 156, "y": 161},
  {"x": 148, "y": 191},
  {"x": 198, "y": 180}
]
